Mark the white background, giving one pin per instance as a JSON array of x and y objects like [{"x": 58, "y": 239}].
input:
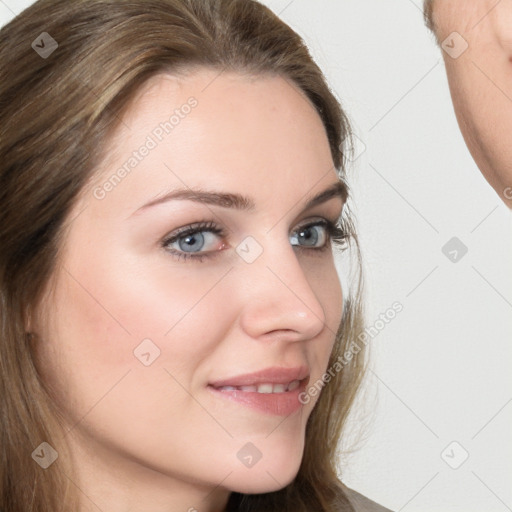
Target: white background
[{"x": 440, "y": 370}]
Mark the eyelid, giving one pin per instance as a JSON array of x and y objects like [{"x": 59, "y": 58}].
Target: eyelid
[{"x": 317, "y": 218}]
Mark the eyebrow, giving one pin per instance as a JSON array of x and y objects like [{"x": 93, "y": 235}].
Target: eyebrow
[{"x": 238, "y": 201}]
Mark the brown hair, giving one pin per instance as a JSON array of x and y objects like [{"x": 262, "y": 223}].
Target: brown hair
[{"x": 57, "y": 113}]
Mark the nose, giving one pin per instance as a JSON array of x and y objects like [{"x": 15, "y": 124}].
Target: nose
[{"x": 278, "y": 298}]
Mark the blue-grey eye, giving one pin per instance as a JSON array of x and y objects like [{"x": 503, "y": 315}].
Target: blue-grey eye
[
  {"x": 308, "y": 236},
  {"x": 193, "y": 242}
]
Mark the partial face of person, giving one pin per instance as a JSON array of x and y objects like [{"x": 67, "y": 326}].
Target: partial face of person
[
  {"x": 162, "y": 301},
  {"x": 476, "y": 37}
]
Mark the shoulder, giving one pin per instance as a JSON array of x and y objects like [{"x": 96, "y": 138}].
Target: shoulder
[{"x": 362, "y": 503}]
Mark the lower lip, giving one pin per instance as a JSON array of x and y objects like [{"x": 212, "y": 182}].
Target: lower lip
[{"x": 278, "y": 404}]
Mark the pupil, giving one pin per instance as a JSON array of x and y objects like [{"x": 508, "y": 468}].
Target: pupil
[
  {"x": 312, "y": 236},
  {"x": 190, "y": 241}
]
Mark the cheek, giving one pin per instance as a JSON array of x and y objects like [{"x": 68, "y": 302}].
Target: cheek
[
  {"x": 117, "y": 306},
  {"x": 106, "y": 390},
  {"x": 325, "y": 282},
  {"x": 113, "y": 322}
]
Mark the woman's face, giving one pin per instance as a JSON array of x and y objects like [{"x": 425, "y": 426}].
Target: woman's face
[{"x": 142, "y": 323}]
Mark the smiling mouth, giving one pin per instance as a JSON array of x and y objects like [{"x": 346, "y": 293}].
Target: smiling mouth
[
  {"x": 281, "y": 399},
  {"x": 265, "y": 387}
]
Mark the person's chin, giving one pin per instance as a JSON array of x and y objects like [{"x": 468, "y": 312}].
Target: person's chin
[{"x": 270, "y": 475}]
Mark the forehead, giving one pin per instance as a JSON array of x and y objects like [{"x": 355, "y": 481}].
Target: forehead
[
  {"x": 216, "y": 128},
  {"x": 227, "y": 95},
  {"x": 223, "y": 100}
]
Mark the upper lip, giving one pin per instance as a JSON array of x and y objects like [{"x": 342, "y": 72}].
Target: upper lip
[{"x": 272, "y": 375}]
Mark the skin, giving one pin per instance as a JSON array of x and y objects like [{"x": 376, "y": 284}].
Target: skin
[
  {"x": 153, "y": 437},
  {"x": 481, "y": 82}
]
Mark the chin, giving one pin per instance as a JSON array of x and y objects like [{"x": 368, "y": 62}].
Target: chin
[
  {"x": 272, "y": 476},
  {"x": 260, "y": 483}
]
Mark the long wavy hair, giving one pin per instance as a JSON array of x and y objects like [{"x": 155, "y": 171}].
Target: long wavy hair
[{"x": 59, "y": 104}]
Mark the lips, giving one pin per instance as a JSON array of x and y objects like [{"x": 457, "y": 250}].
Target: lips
[
  {"x": 272, "y": 391},
  {"x": 273, "y": 376}
]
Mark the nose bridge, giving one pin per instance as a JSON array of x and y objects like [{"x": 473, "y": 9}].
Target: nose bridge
[{"x": 277, "y": 294}]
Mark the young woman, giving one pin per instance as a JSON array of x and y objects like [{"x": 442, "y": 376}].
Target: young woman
[{"x": 174, "y": 334}]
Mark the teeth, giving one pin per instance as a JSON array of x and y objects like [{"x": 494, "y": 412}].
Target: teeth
[
  {"x": 293, "y": 385},
  {"x": 248, "y": 388},
  {"x": 264, "y": 388}
]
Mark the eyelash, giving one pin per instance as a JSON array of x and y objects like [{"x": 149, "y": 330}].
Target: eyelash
[{"x": 336, "y": 234}]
